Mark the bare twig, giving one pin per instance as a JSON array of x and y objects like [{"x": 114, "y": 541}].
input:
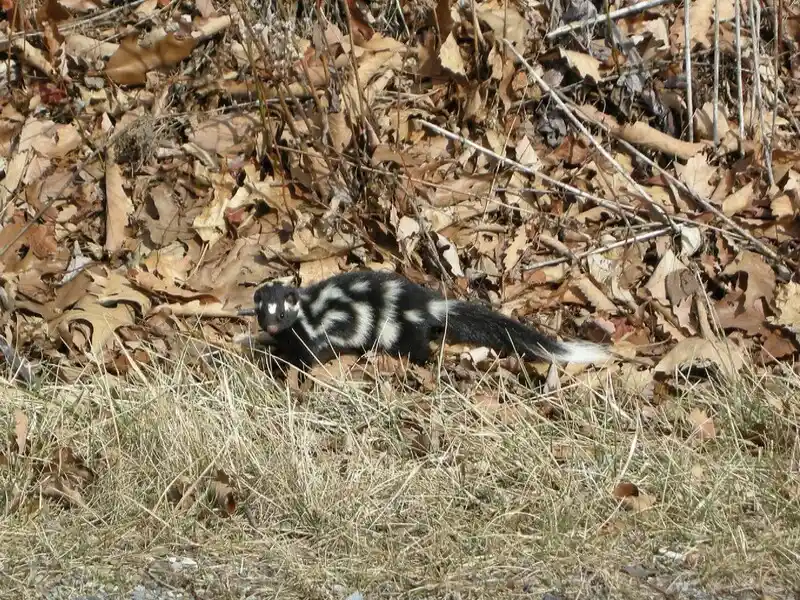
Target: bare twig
[
  {"x": 755, "y": 38},
  {"x": 776, "y": 25},
  {"x": 739, "y": 89},
  {"x": 642, "y": 237},
  {"x": 619, "y": 209},
  {"x": 687, "y": 59},
  {"x": 569, "y": 113},
  {"x": 614, "y": 14},
  {"x": 714, "y": 125}
]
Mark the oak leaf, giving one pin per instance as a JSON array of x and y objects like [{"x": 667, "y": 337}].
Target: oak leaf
[{"x": 130, "y": 64}]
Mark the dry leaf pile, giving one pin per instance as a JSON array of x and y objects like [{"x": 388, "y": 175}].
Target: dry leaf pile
[{"x": 160, "y": 160}]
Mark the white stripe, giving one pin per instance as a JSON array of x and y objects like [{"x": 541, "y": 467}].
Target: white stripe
[
  {"x": 312, "y": 332},
  {"x": 389, "y": 327},
  {"x": 364, "y": 324},
  {"x": 331, "y": 292},
  {"x": 332, "y": 317}
]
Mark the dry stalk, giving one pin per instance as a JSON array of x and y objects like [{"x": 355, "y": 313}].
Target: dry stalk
[
  {"x": 739, "y": 88},
  {"x": 687, "y": 58},
  {"x": 716, "y": 75},
  {"x": 642, "y": 237},
  {"x": 614, "y": 14},
  {"x": 624, "y": 211}
]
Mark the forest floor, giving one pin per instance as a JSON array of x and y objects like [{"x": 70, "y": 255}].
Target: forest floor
[{"x": 160, "y": 159}]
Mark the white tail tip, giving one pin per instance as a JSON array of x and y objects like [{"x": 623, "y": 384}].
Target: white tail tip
[{"x": 581, "y": 352}]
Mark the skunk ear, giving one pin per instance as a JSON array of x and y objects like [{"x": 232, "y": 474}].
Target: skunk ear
[{"x": 291, "y": 298}]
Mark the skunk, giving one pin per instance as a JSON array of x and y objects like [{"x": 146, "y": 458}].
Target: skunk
[{"x": 360, "y": 310}]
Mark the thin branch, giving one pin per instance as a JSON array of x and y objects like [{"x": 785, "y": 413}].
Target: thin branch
[
  {"x": 776, "y": 25},
  {"x": 739, "y": 89},
  {"x": 619, "y": 209},
  {"x": 614, "y": 14},
  {"x": 714, "y": 125},
  {"x": 755, "y": 38},
  {"x": 642, "y": 237},
  {"x": 687, "y": 59}
]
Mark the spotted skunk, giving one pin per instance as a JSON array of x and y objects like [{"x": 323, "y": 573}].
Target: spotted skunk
[{"x": 361, "y": 310}]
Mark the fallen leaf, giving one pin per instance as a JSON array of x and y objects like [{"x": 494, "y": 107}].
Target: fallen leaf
[
  {"x": 450, "y": 254},
  {"x": 595, "y": 295},
  {"x": 317, "y": 270},
  {"x": 696, "y": 174},
  {"x": 21, "y": 430},
  {"x": 776, "y": 347},
  {"x": 692, "y": 351},
  {"x": 631, "y": 498},
  {"x": 703, "y": 425},
  {"x": 222, "y": 494},
  {"x": 526, "y": 154},
  {"x": 739, "y": 200},
  {"x": 700, "y": 21},
  {"x": 760, "y": 276},
  {"x": 585, "y": 65},
  {"x": 130, "y": 64},
  {"x": 505, "y": 21},
  {"x": 450, "y": 55},
  {"x": 118, "y": 207},
  {"x": 103, "y": 320},
  {"x": 515, "y": 248},
  {"x": 657, "y": 284},
  {"x": 210, "y": 224},
  {"x": 48, "y": 138},
  {"x": 787, "y": 306}
]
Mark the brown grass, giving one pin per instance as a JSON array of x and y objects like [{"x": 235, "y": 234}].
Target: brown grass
[{"x": 345, "y": 496}]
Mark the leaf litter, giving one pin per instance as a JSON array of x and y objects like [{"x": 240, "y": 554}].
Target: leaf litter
[{"x": 156, "y": 174}]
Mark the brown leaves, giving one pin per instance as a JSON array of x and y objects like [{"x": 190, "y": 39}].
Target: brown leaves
[
  {"x": 66, "y": 475},
  {"x": 725, "y": 355},
  {"x": 119, "y": 207},
  {"x": 130, "y": 63},
  {"x": 220, "y": 494},
  {"x": 631, "y": 497}
]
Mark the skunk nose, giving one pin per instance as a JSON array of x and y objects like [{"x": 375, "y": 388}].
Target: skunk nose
[{"x": 272, "y": 329}]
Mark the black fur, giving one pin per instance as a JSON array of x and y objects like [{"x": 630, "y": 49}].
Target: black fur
[{"x": 379, "y": 309}]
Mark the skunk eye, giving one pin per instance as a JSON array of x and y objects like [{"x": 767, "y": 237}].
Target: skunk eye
[{"x": 283, "y": 314}]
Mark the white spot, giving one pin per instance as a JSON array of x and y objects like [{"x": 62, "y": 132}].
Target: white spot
[
  {"x": 438, "y": 309},
  {"x": 289, "y": 307},
  {"x": 389, "y": 327},
  {"x": 361, "y": 287},
  {"x": 319, "y": 305},
  {"x": 272, "y": 308},
  {"x": 413, "y": 316}
]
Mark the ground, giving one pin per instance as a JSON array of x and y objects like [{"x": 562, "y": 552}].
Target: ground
[
  {"x": 160, "y": 159},
  {"x": 237, "y": 486}
]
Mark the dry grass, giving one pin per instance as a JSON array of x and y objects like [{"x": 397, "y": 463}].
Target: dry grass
[{"x": 343, "y": 498}]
